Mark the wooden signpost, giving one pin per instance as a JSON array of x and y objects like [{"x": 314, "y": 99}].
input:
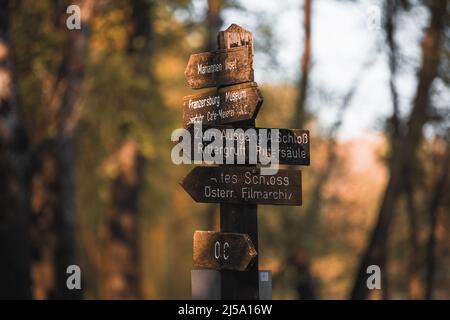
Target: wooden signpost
[
  {"x": 243, "y": 185},
  {"x": 228, "y": 104},
  {"x": 222, "y": 251},
  {"x": 227, "y": 261}
]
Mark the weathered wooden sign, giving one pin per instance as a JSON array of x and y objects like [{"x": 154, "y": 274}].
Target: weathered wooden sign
[
  {"x": 222, "y": 251},
  {"x": 235, "y": 36},
  {"x": 223, "y": 67},
  {"x": 229, "y": 104},
  {"x": 293, "y": 144},
  {"x": 243, "y": 185}
]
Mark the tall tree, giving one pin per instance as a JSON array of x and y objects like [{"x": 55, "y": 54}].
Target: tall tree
[
  {"x": 141, "y": 39},
  {"x": 404, "y": 148},
  {"x": 394, "y": 129},
  {"x": 122, "y": 258},
  {"x": 69, "y": 86},
  {"x": 306, "y": 288},
  {"x": 14, "y": 211},
  {"x": 437, "y": 196},
  {"x": 121, "y": 264},
  {"x": 214, "y": 22},
  {"x": 300, "y": 113},
  {"x": 54, "y": 177}
]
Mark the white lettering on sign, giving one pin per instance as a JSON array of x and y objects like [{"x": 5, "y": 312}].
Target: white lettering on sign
[
  {"x": 231, "y": 65},
  {"x": 291, "y": 138},
  {"x": 265, "y": 180},
  {"x": 226, "y": 246},
  {"x": 290, "y": 153},
  {"x": 221, "y": 251},
  {"x": 235, "y": 38},
  {"x": 248, "y": 193},
  {"x": 235, "y": 95},
  {"x": 226, "y": 114},
  {"x": 217, "y": 250},
  {"x": 203, "y": 69},
  {"x": 205, "y": 102},
  {"x": 211, "y": 192}
]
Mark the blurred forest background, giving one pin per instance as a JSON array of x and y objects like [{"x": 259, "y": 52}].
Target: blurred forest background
[{"x": 86, "y": 176}]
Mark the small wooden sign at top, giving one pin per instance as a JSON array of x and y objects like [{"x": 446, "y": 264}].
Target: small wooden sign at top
[{"x": 235, "y": 36}]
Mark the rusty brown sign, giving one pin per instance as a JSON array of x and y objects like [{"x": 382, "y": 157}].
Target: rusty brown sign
[
  {"x": 223, "y": 251},
  {"x": 222, "y": 67},
  {"x": 293, "y": 144},
  {"x": 225, "y": 105},
  {"x": 243, "y": 185}
]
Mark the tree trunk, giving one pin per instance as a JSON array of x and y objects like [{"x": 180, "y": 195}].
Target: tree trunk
[
  {"x": 141, "y": 39},
  {"x": 404, "y": 150},
  {"x": 414, "y": 282},
  {"x": 393, "y": 128},
  {"x": 390, "y": 27},
  {"x": 122, "y": 258},
  {"x": 305, "y": 286},
  {"x": 301, "y": 261},
  {"x": 214, "y": 23},
  {"x": 438, "y": 193},
  {"x": 53, "y": 198},
  {"x": 122, "y": 252},
  {"x": 15, "y": 282},
  {"x": 300, "y": 113}
]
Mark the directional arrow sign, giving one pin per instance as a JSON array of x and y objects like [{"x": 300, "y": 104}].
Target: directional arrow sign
[
  {"x": 229, "y": 104},
  {"x": 223, "y": 251},
  {"x": 223, "y": 67},
  {"x": 243, "y": 185},
  {"x": 293, "y": 144}
]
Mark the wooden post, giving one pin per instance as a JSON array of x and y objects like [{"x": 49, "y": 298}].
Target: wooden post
[{"x": 240, "y": 218}]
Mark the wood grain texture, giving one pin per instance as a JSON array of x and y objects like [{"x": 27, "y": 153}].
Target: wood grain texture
[
  {"x": 222, "y": 67},
  {"x": 225, "y": 105},
  {"x": 243, "y": 185},
  {"x": 293, "y": 144}
]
